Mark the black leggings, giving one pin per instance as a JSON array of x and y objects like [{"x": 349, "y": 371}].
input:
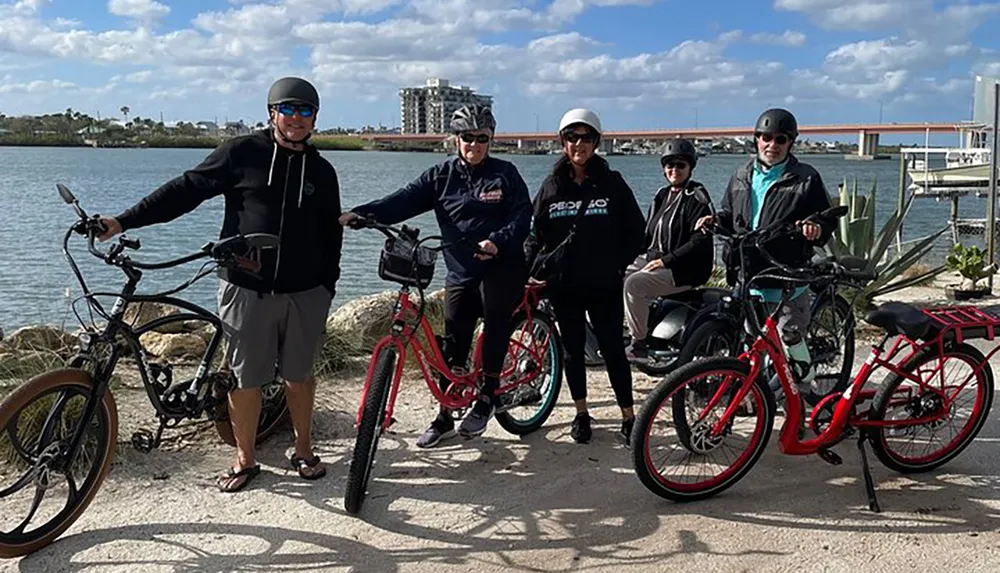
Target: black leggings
[
  {"x": 607, "y": 316},
  {"x": 493, "y": 298}
]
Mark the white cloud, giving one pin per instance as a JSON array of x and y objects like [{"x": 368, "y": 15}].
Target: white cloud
[
  {"x": 139, "y": 77},
  {"x": 238, "y": 50},
  {"x": 789, "y": 38},
  {"x": 917, "y": 18},
  {"x": 142, "y": 10},
  {"x": 561, "y": 45},
  {"x": 36, "y": 86}
]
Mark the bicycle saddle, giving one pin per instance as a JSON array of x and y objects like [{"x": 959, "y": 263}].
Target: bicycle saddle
[{"x": 900, "y": 318}]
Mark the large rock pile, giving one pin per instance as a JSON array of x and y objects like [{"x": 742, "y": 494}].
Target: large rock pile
[{"x": 351, "y": 332}]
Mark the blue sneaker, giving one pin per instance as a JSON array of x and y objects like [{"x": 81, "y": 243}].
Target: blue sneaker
[{"x": 442, "y": 428}]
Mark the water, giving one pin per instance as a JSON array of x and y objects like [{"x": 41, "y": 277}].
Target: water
[{"x": 37, "y": 284}]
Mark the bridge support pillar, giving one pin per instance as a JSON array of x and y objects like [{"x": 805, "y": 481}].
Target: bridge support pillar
[{"x": 867, "y": 147}]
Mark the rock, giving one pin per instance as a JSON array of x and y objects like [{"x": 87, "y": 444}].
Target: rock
[
  {"x": 362, "y": 321},
  {"x": 140, "y": 314},
  {"x": 359, "y": 324},
  {"x": 42, "y": 338},
  {"x": 184, "y": 345}
]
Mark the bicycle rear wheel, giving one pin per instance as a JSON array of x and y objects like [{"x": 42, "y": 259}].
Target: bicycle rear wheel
[
  {"x": 369, "y": 431},
  {"x": 37, "y": 422},
  {"x": 273, "y": 411},
  {"x": 969, "y": 397},
  {"x": 715, "y": 461}
]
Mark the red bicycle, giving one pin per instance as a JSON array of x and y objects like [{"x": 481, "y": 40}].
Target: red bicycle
[
  {"x": 529, "y": 381},
  {"x": 720, "y": 411}
]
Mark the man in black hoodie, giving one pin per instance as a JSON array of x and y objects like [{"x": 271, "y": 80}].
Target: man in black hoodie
[{"x": 273, "y": 182}]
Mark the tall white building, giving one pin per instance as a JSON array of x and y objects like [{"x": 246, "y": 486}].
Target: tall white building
[{"x": 428, "y": 109}]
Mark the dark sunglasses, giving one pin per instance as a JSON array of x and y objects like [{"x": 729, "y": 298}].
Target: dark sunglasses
[
  {"x": 574, "y": 137},
  {"x": 469, "y": 138},
  {"x": 289, "y": 109},
  {"x": 676, "y": 165},
  {"x": 767, "y": 138}
]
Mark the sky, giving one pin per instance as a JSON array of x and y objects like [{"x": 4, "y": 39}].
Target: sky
[{"x": 641, "y": 64}]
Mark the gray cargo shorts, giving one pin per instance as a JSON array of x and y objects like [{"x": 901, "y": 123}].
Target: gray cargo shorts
[{"x": 263, "y": 331}]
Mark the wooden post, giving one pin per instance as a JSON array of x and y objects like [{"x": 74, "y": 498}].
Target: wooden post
[
  {"x": 900, "y": 202},
  {"x": 991, "y": 214}
]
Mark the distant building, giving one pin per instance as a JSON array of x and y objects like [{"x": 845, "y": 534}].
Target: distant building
[{"x": 428, "y": 109}]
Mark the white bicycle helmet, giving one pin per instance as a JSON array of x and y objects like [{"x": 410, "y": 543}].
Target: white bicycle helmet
[{"x": 580, "y": 115}]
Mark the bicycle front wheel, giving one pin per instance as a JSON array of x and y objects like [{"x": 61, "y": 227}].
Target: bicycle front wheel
[
  {"x": 534, "y": 347},
  {"x": 369, "y": 430},
  {"x": 690, "y": 461},
  {"x": 40, "y": 497}
]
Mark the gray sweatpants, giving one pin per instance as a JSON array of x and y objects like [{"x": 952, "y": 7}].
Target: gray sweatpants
[
  {"x": 264, "y": 331},
  {"x": 641, "y": 287}
]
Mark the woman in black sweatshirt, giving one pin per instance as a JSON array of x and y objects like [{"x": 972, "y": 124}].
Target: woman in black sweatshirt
[{"x": 606, "y": 237}]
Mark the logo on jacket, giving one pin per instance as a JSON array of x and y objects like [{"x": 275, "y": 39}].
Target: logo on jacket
[
  {"x": 491, "y": 195},
  {"x": 570, "y": 208},
  {"x": 308, "y": 188}
]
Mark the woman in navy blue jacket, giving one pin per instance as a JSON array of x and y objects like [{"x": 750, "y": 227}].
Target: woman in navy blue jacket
[{"x": 481, "y": 199}]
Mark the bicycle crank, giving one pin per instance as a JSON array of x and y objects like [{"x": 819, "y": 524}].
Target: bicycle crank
[
  {"x": 521, "y": 396},
  {"x": 145, "y": 441}
]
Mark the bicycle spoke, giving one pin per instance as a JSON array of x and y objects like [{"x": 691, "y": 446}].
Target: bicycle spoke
[
  {"x": 35, "y": 504},
  {"x": 18, "y": 485},
  {"x": 51, "y": 421}
]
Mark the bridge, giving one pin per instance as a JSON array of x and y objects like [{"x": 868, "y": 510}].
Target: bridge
[{"x": 868, "y": 134}]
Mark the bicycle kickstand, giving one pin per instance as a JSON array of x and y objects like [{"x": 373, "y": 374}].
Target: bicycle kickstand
[{"x": 869, "y": 482}]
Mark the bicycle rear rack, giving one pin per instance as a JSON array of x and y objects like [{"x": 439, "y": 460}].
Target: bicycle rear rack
[{"x": 964, "y": 322}]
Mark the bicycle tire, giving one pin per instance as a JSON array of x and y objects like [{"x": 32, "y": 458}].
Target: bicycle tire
[
  {"x": 699, "y": 338},
  {"x": 655, "y": 402},
  {"x": 369, "y": 429},
  {"x": 845, "y": 313},
  {"x": 107, "y": 413},
  {"x": 271, "y": 417},
  {"x": 554, "y": 350},
  {"x": 881, "y": 401}
]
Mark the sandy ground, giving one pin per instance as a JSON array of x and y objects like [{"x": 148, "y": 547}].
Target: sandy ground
[{"x": 502, "y": 503}]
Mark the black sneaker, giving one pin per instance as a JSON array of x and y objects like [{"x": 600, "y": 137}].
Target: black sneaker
[
  {"x": 580, "y": 432},
  {"x": 637, "y": 351},
  {"x": 627, "y": 425}
]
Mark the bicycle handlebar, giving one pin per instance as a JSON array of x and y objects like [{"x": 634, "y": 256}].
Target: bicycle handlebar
[{"x": 411, "y": 234}]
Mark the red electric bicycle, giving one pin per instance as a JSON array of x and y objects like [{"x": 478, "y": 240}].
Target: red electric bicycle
[
  {"x": 931, "y": 405},
  {"x": 529, "y": 381}
]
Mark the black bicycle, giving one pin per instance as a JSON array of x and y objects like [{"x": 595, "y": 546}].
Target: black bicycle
[{"x": 58, "y": 431}]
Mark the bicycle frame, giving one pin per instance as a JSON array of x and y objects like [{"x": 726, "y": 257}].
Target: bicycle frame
[
  {"x": 462, "y": 388},
  {"x": 953, "y": 323}
]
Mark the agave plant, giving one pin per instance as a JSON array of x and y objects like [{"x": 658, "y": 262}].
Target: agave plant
[{"x": 856, "y": 236}]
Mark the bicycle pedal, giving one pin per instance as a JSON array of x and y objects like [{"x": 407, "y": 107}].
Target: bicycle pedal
[
  {"x": 830, "y": 457},
  {"x": 143, "y": 441}
]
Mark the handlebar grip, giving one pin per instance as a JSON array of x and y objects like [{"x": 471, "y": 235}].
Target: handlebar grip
[{"x": 862, "y": 275}]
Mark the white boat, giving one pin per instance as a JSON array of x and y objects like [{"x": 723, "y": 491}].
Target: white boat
[{"x": 964, "y": 167}]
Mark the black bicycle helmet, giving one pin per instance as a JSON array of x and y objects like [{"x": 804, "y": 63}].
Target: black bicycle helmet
[
  {"x": 777, "y": 120},
  {"x": 679, "y": 148},
  {"x": 292, "y": 90},
  {"x": 473, "y": 117}
]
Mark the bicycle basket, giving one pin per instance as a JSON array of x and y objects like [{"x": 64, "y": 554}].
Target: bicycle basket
[{"x": 399, "y": 263}]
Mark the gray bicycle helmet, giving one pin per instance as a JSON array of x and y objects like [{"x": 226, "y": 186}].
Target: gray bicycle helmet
[
  {"x": 292, "y": 90},
  {"x": 473, "y": 117},
  {"x": 777, "y": 120},
  {"x": 679, "y": 148}
]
